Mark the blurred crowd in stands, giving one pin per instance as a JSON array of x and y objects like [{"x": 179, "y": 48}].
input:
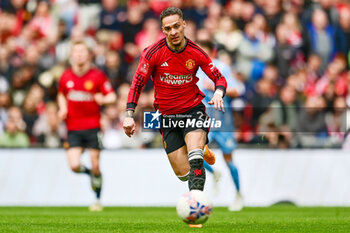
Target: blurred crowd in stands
[{"x": 293, "y": 56}]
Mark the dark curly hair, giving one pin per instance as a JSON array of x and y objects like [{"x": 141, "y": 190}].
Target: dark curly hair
[{"x": 170, "y": 11}]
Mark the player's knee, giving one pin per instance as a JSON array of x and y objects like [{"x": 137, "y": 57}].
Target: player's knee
[
  {"x": 183, "y": 177},
  {"x": 75, "y": 167}
]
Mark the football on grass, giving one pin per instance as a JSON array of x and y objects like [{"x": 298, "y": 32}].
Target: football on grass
[{"x": 194, "y": 207}]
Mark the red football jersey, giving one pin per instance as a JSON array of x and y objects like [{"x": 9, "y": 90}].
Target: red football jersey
[
  {"x": 174, "y": 76},
  {"x": 83, "y": 111}
]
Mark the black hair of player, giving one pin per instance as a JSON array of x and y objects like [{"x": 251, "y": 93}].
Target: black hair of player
[{"x": 170, "y": 11}]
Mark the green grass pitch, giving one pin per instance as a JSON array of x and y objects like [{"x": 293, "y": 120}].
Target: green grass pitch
[{"x": 164, "y": 219}]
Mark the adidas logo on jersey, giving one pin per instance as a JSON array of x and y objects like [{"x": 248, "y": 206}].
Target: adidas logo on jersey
[{"x": 164, "y": 64}]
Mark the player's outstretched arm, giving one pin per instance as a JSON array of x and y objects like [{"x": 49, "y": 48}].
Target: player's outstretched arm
[
  {"x": 129, "y": 123},
  {"x": 217, "y": 100},
  {"x": 62, "y": 106},
  {"x": 101, "y": 99}
]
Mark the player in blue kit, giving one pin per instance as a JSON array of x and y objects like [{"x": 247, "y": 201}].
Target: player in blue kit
[{"x": 224, "y": 136}]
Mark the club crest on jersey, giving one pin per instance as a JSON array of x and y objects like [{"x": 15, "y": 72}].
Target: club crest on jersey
[
  {"x": 88, "y": 85},
  {"x": 144, "y": 67},
  {"x": 70, "y": 84},
  {"x": 190, "y": 64}
]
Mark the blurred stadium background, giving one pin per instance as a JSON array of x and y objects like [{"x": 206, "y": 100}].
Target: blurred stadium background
[{"x": 292, "y": 57}]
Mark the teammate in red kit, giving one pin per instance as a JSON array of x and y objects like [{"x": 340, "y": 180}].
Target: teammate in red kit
[
  {"x": 173, "y": 63},
  {"x": 82, "y": 89}
]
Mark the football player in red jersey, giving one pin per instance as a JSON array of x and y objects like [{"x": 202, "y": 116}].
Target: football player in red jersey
[
  {"x": 173, "y": 63},
  {"x": 82, "y": 90}
]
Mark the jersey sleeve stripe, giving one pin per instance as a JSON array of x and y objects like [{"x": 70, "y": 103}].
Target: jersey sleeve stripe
[
  {"x": 220, "y": 75},
  {"x": 153, "y": 52},
  {"x": 193, "y": 45},
  {"x": 217, "y": 75},
  {"x": 137, "y": 88},
  {"x": 153, "y": 48},
  {"x": 136, "y": 85}
]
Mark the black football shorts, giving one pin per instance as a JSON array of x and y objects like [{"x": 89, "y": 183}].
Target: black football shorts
[
  {"x": 176, "y": 126},
  {"x": 90, "y": 138}
]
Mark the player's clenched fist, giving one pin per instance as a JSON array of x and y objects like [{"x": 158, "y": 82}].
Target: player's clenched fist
[{"x": 129, "y": 126}]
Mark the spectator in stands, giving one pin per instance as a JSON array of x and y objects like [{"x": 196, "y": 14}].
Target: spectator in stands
[
  {"x": 47, "y": 57},
  {"x": 43, "y": 23},
  {"x": 313, "y": 70},
  {"x": 67, "y": 12},
  {"x": 112, "y": 15},
  {"x": 248, "y": 11},
  {"x": 263, "y": 31},
  {"x": 63, "y": 48},
  {"x": 149, "y": 34},
  {"x": 88, "y": 14},
  {"x": 33, "y": 105},
  {"x": 295, "y": 39},
  {"x": 227, "y": 35},
  {"x": 13, "y": 137},
  {"x": 5, "y": 67},
  {"x": 331, "y": 11},
  {"x": 191, "y": 30},
  {"x": 18, "y": 88},
  {"x": 273, "y": 12},
  {"x": 131, "y": 27},
  {"x": 294, "y": 36},
  {"x": 5, "y": 102},
  {"x": 311, "y": 124},
  {"x": 284, "y": 52},
  {"x": 261, "y": 100},
  {"x": 328, "y": 80},
  {"x": 14, "y": 15},
  {"x": 157, "y": 6},
  {"x": 336, "y": 121},
  {"x": 234, "y": 10},
  {"x": 252, "y": 54},
  {"x": 342, "y": 33},
  {"x": 114, "y": 69},
  {"x": 48, "y": 128},
  {"x": 280, "y": 121},
  {"x": 320, "y": 37},
  {"x": 197, "y": 12}
]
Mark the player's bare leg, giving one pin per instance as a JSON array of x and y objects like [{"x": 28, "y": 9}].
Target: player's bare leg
[
  {"x": 73, "y": 155},
  {"x": 237, "y": 204},
  {"x": 181, "y": 167},
  {"x": 96, "y": 178},
  {"x": 179, "y": 162},
  {"x": 195, "y": 142}
]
